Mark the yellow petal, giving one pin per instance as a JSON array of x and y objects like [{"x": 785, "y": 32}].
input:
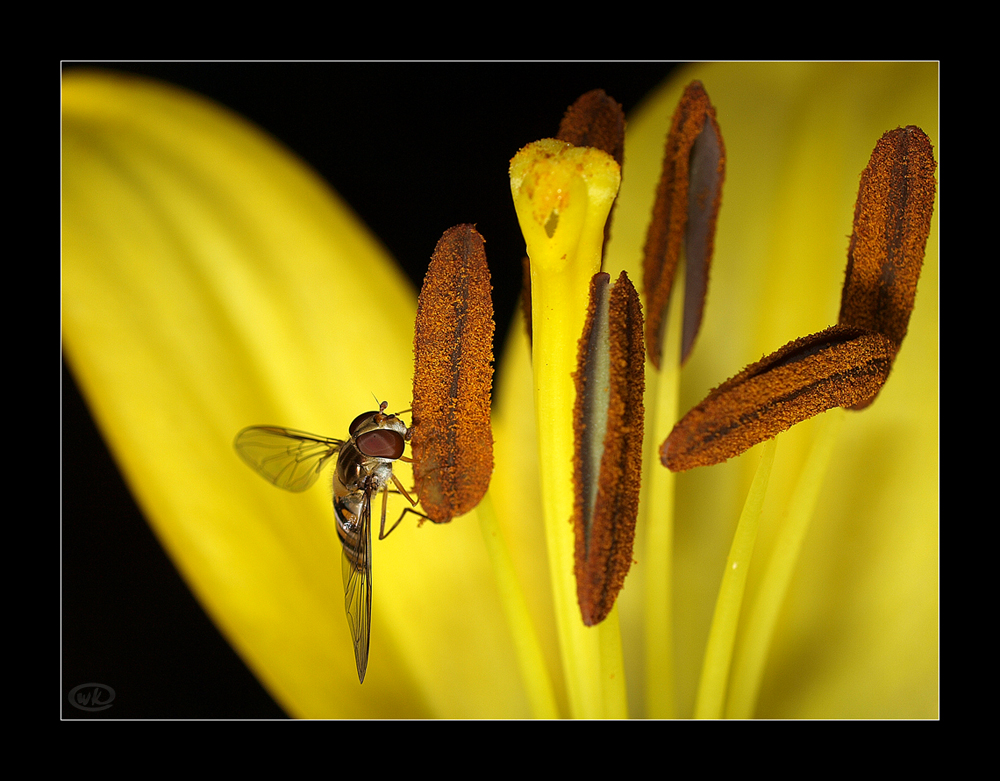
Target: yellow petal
[{"x": 210, "y": 282}]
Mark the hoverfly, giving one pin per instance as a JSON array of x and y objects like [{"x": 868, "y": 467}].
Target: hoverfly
[{"x": 293, "y": 459}]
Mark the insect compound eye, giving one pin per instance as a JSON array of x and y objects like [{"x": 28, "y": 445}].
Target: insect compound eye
[
  {"x": 381, "y": 443},
  {"x": 360, "y": 422}
]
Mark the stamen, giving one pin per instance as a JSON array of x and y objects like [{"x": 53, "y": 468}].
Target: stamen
[
  {"x": 846, "y": 365},
  {"x": 687, "y": 204},
  {"x": 453, "y": 350},
  {"x": 597, "y": 120},
  {"x": 892, "y": 220},
  {"x": 838, "y": 367},
  {"x": 608, "y": 430}
]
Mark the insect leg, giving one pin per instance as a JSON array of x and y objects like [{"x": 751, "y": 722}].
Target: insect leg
[
  {"x": 385, "y": 500},
  {"x": 403, "y": 515},
  {"x": 403, "y": 491}
]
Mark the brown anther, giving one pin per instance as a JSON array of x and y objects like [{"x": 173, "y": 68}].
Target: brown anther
[
  {"x": 838, "y": 367},
  {"x": 453, "y": 348},
  {"x": 891, "y": 224},
  {"x": 607, "y": 460},
  {"x": 846, "y": 365},
  {"x": 684, "y": 216},
  {"x": 595, "y": 120}
]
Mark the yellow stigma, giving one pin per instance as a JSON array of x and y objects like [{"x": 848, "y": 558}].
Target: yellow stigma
[{"x": 563, "y": 195}]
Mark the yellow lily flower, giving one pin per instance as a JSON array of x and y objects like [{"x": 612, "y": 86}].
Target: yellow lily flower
[{"x": 210, "y": 283}]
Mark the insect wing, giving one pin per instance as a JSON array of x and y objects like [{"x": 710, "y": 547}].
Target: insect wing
[
  {"x": 357, "y": 572},
  {"x": 288, "y": 458}
]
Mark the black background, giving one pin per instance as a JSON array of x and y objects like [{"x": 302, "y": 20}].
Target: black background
[{"x": 415, "y": 148}]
